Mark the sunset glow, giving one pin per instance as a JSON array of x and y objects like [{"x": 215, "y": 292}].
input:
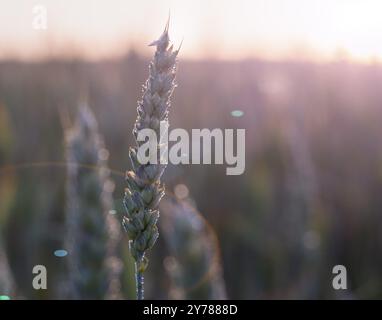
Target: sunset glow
[{"x": 312, "y": 29}]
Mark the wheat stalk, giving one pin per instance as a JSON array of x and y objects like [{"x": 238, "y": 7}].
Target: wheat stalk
[
  {"x": 7, "y": 286},
  {"x": 144, "y": 188},
  {"x": 92, "y": 234}
]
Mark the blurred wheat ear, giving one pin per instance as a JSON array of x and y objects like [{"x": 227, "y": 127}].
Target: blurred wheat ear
[
  {"x": 144, "y": 189},
  {"x": 92, "y": 232},
  {"x": 7, "y": 285},
  {"x": 194, "y": 266}
]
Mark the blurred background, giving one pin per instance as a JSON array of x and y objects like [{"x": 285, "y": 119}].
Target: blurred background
[{"x": 302, "y": 77}]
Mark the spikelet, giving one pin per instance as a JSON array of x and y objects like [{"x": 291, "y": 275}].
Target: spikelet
[
  {"x": 144, "y": 189},
  {"x": 92, "y": 232}
]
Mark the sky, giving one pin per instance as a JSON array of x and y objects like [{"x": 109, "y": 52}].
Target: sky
[{"x": 225, "y": 29}]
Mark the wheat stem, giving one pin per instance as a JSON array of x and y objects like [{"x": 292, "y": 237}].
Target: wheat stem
[{"x": 139, "y": 282}]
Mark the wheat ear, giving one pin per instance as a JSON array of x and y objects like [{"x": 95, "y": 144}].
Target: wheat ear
[
  {"x": 144, "y": 188},
  {"x": 92, "y": 235}
]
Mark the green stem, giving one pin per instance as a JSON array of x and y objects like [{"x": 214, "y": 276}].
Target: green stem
[{"x": 139, "y": 281}]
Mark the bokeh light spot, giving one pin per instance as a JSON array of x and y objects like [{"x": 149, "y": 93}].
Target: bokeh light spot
[
  {"x": 60, "y": 253},
  {"x": 5, "y": 298},
  {"x": 181, "y": 191},
  {"x": 103, "y": 154},
  {"x": 311, "y": 240},
  {"x": 237, "y": 113},
  {"x": 109, "y": 186}
]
